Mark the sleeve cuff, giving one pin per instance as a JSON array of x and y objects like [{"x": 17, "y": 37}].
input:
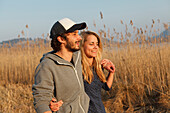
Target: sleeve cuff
[
  {"x": 42, "y": 108},
  {"x": 105, "y": 87}
]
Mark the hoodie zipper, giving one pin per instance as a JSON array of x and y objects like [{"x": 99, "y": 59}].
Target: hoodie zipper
[
  {"x": 79, "y": 81},
  {"x": 73, "y": 68}
]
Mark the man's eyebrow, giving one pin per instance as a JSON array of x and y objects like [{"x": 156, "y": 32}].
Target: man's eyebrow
[{"x": 76, "y": 31}]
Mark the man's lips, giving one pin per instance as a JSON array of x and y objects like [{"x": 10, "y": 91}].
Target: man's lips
[{"x": 78, "y": 43}]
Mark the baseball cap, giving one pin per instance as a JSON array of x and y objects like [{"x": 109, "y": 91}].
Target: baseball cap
[{"x": 65, "y": 26}]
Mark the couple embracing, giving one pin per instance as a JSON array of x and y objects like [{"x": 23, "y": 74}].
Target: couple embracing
[{"x": 69, "y": 79}]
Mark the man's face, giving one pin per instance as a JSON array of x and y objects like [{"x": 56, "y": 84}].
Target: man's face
[{"x": 73, "y": 41}]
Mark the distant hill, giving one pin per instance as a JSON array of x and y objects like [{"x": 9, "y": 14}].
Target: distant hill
[
  {"x": 22, "y": 41},
  {"x": 165, "y": 34},
  {"x": 14, "y": 41}
]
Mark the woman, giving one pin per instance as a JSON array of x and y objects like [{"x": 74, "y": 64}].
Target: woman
[{"x": 94, "y": 78}]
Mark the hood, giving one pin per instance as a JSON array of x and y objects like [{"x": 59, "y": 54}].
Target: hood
[
  {"x": 48, "y": 55},
  {"x": 51, "y": 55}
]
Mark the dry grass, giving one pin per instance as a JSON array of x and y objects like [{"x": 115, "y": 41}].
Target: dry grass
[
  {"x": 16, "y": 98},
  {"x": 18, "y": 63},
  {"x": 141, "y": 82},
  {"x": 142, "y": 79}
]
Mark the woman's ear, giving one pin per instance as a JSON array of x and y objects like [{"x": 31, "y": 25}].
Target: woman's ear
[{"x": 61, "y": 39}]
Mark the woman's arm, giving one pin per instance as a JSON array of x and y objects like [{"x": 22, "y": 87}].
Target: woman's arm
[
  {"x": 110, "y": 80},
  {"x": 108, "y": 65}
]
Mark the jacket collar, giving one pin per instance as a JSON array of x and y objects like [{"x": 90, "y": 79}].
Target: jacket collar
[{"x": 60, "y": 60}]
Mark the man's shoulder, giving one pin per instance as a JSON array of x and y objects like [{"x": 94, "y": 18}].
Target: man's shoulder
[
  {"x": 47, "y": 61},
  {"x": 49, "y": 57}
]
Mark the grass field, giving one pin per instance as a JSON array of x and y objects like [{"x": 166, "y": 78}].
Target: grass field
[{"x": 141, "y": 82}]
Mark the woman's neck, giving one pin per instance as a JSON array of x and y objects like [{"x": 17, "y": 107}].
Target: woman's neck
[{"x": 90, "y": 60}]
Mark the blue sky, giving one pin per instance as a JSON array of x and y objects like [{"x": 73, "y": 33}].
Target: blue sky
[{"x": 40, "y": 15}]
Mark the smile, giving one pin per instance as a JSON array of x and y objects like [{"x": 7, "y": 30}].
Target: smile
[{"x": 94, "y": 51}]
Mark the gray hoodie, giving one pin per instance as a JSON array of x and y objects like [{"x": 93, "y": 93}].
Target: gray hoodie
[{"x": 60, "y": 79}]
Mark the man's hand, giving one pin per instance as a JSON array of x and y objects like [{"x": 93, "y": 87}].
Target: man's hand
[
  {"x": 108, "y": 65},
  {"x": 54, "y": 105}
]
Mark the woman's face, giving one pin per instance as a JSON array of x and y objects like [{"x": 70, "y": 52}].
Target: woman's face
[{"x": 91, "y": 46}]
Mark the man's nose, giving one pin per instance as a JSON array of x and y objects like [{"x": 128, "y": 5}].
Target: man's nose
[{"x": 79, "y": 37}]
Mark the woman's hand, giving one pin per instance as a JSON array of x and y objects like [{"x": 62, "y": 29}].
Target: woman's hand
[
  {"x": 108, "y": 65},
  {"x": 54, "y": 105}
]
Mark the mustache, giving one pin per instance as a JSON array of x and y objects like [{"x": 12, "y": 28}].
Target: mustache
[{"x": 77, "y": 42}]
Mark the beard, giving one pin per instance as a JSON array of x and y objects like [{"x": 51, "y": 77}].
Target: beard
[{"x": 71, "y": 46}]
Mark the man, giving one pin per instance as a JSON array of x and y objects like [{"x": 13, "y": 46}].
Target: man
[{"x": 59, "y": 73}]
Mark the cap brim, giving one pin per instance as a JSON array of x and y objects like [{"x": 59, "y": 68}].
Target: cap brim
[{"x": 77, "y": 27}]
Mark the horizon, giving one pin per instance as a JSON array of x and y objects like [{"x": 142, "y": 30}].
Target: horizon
[{"x": 15, "y": 40}]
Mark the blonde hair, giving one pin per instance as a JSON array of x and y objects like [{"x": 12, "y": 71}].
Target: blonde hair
[{"x": 86, "y": 69}]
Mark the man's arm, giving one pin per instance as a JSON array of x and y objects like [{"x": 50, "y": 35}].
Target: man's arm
[{"x": 43, "y": 89}]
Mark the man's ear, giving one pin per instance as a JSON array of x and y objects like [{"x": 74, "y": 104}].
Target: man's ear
[{"x": 61, "y": 39}]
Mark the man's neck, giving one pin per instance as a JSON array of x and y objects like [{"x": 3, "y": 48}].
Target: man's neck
[{"x": 65, "y": 54}]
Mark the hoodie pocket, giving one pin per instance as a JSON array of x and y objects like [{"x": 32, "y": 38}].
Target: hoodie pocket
[
  {"x": 76, "y": 106},
  {"x": 64, "y": 109},
  {"x": 72, "y": 107}
]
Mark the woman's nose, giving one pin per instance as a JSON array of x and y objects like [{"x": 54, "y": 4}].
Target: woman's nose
[{"x": 96, "y": 46}]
